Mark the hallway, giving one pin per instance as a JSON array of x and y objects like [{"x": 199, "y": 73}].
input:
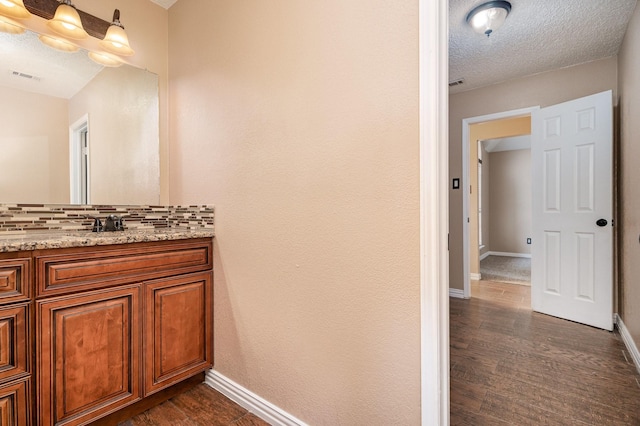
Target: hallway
[{"x": 512, "y": 366}]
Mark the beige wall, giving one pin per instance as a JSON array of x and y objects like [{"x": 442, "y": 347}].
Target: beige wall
[
  {"x": 34, "y": 146},
  {"x": 122, "y": 108},
  {"x": 299, "y": 121},
  {"x": 510, "y": 201},
  {"x": 147, "y": 27},
  {"x": 629, "y": 176},
  {"x": 541, "y": 89}
]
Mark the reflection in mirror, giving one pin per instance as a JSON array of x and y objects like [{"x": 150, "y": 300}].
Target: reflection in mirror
[{"x": 43, "y": 94}]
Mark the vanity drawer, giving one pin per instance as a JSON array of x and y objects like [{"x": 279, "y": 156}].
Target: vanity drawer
[
  {"x": 14, "y": 342},
  {"x": 88, "y": 268},
  {"x": 15, "y": 280},
  {"x": 15, "y": 404}
]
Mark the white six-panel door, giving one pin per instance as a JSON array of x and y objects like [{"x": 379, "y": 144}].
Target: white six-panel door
[{"x": 572, "y": 253}]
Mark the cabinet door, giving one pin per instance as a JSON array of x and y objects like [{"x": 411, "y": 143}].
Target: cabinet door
[
  {"x": 178, "y": 329},
  {"x": 88, "y": 354},
  {"x": 14, "y": 403},
  {"x": 14, "y": 342}
]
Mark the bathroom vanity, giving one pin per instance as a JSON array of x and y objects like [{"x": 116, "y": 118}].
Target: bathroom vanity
[{"x": 93, "y": 324}]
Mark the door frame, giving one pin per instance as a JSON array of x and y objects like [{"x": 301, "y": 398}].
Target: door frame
[
  {"x": 75, "y": 154},
  {"x": 466, "y": 245},
  {"x": 433, "y": 49}
]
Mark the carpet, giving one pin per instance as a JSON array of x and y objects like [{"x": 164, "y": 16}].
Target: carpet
[{"x": 514, "y": 270}]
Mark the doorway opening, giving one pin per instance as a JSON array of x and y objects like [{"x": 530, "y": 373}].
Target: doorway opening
[
  {"x": 504, "y": 207},
  {"x": 79, "y": 161},
  {"x": 505, "y": 138}
]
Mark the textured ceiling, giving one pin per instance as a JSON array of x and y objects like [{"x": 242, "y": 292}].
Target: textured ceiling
[
  {"x": 538, "y": 36},
  {"x": 507, "y": 144},
  {"x": 165, "y": 3},
  {"x": 54, "y": 73}
]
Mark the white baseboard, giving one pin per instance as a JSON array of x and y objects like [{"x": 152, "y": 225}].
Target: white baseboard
[
  {"x": 474, "y": 276},
  {"x": 250, "y": 401},
  {"x": 502, "y": 253},
  {"x": 485, "y": 255},
  {"x": 454, "y": 292},
  {"x": 628, "y": 341}
]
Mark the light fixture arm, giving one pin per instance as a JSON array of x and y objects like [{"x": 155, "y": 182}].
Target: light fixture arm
[
  {"x": 116, "y": 19},
  {"x": 46, "y": 9}
]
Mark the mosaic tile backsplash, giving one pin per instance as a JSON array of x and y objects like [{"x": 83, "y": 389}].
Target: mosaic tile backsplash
[{"x": 69, "y": 217}]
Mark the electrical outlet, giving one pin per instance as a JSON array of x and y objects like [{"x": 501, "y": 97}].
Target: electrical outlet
[{"x": 528, "y": 240}]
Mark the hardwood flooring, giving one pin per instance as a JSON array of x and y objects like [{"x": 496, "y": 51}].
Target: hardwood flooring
[
  {"x": 511, "y": 366},
  {"x": 199, "y": 406}
]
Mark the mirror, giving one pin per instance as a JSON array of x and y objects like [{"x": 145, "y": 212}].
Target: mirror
[{"x": 49, "y": 102}]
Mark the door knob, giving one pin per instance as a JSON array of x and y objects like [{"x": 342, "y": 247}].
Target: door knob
[{"x": 601, "y": 222}]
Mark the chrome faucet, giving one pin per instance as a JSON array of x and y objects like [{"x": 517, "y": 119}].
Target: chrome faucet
[
  {"x": 111, "y": 224},
  {"x": 97, "y": 224}
]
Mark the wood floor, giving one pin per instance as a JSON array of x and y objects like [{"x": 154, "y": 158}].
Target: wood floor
[
  {"x": 200, "y": 406},
  {"x": 510, "y": 366}
]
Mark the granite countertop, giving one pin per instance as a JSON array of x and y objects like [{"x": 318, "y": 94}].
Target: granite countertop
[{"x": 28, "y": 240}]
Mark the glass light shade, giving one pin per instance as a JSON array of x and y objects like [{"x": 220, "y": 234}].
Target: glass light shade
[
  {"x": 116, "y": 41},
  {"x": 14, "y": 9},
  {"x": 8, "y": 25},
  {"x": 67, "y": 22},
  {"x": 106, "y": 59},
  {"x": 58, "y": 43},
  {"x": 488, "y": 17}
]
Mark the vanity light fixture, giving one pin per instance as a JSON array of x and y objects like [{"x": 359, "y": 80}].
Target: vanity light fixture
[
  {"x": 8, "y": 25},
  {"x": 489, "y": 16},
  {"x": 14, "y": 9},
  {"x": 106, "y": 59},
  {"x": 58, "y": 43},
  {"x": 66, "y": 21},
  {"x": 116, "y": 40}
]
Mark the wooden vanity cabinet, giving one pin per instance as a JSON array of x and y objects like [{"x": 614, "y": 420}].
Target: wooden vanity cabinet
[
  {"x": 14, "y": 403},
  {"x": 121, "y": 336},
  {"x": 15, "y": 338},
  {"x": 178, "y": 326},
  {"x": 88, "y": 354}
]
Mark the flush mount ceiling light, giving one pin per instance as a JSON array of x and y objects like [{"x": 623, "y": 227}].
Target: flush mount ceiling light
[
  {"x": 14, "y": 9},
  {"x": 66, "y": 21},
  {"x": 489, "y": 16},
  {"x": 116, "y": 40}
]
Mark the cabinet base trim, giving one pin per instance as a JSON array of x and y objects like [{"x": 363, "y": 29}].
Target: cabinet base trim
[{"x": 250, "y": 401}]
